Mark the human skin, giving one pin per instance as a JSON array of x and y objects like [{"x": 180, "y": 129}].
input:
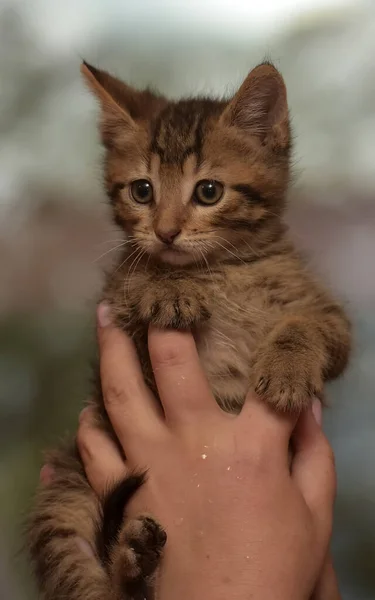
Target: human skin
[{"x": 240, "y": 523}]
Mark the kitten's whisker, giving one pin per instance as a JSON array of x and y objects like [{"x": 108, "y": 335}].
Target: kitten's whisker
[
  {"x": 127, "y": 280},
  {"x": 126, "y": 260},
  {"x": 139, "y": 253},
  {"x": 245, "y": 242},
  {"x": 134, "y": 265},
  {"x": 227, "y": 241},
  {"x": 230, "y": 252},
  {"x": 250, "y": 248},
  {"x": 238, "y": 310},
  {"x": 139, "y": 259},
  {"x": 110, "y": 250},
  {"x": 229, "y": 342},
  {"x": 206, "y": 261},
  {"x": 269, "y": 212},
  {"x": 148, "y": 260},
  {"x": 198, "y": 264},
  {"x": 110, "y": 241}
]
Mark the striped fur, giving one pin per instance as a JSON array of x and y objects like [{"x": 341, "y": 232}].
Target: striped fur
[{"x": 230, "y": 274}]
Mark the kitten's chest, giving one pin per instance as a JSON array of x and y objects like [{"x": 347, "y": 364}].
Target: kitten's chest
[{"x": 226, "y": 345}]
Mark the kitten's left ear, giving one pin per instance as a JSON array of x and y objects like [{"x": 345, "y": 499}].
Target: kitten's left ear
[
  {"x": 260, "y": 107},
  {"x": 122, "y": 106}
]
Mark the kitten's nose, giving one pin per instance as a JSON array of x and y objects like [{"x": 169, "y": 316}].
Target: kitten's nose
[{"x": 169, "y": 236}]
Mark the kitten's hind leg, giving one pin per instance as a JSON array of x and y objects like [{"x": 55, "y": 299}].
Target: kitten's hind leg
[
  {"x": 136, "y": 556},
  {"x": 63, "y": 532},
  {"x": 130, "y": 548}
]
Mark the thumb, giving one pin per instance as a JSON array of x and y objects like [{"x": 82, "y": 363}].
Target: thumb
[{"x": 313, "y": 467}]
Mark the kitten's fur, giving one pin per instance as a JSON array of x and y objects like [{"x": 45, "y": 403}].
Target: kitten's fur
[{"x": 231, "y": 275}]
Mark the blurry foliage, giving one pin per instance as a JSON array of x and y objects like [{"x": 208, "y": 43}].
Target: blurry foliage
[{"x": 47, "y": 361}]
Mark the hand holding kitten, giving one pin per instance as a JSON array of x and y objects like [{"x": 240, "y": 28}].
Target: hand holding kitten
[{"x": 220, "y": 484}]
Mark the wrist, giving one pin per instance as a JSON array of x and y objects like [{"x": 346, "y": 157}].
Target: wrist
[{"x": 218, "y": 575}]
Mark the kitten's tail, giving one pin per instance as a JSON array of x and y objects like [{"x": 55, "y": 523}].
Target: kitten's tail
[
  {"x": 61, "y": 536},
  {"x": 113, "y": 512}
]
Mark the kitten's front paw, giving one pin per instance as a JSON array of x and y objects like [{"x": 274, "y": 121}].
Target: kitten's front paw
[
  {"x": 173, "y": 308},
  {"x": 287, "y": 382},
  {"x": 138, "y": 550}
]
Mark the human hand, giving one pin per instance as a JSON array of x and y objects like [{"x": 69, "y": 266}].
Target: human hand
[{"x": 238, "y": 521}]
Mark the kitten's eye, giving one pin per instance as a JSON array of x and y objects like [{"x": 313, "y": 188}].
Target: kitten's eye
[
  {"x": 141, "y": 191},
  {"x": 208, "y": 191}
]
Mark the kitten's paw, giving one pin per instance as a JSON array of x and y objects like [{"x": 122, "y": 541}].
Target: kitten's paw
[
  {"x": 138, "y": 551},
  {"x": 173, "y": 308},
  {"x": 288, "y": 383}
]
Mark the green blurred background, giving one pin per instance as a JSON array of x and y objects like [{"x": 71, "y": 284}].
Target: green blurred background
[{"x": 56, "y": 235}]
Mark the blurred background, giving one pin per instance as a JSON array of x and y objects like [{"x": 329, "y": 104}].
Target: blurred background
[{"x": 56, "y": 235}]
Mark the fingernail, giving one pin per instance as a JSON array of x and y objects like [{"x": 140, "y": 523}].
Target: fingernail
[
  {"x": 84, "y": 414},
  {"x": 46, "y": 474},
  {"x": 104, "y": 314},
  {"x": 317, "y": 411}
]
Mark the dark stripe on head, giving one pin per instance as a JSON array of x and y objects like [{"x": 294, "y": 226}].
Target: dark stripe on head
[
  {"x": 199, "y": 134},
  {"x": 180, "y": 128},
  {"x": 249, "y": 193},
  {"x": 155, "y": 147},
  {"x": 114, "y": 190}
]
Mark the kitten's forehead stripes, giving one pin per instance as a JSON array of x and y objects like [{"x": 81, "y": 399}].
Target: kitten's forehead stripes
[{"x": 180, "y": 128}]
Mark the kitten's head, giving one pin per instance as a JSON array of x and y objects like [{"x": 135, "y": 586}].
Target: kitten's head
[{"x": 199, "y": 177}]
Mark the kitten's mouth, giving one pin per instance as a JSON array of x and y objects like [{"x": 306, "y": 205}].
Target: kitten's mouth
[{"x": 175, "y": 256}]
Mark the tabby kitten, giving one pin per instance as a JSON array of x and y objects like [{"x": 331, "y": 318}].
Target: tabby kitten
[{"x": 199, "y": 187}]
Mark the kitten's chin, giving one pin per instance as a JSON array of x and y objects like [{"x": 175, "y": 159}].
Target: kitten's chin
[{"x": 173, "y": 257}]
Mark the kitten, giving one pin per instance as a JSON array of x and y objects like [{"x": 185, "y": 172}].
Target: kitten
[{"x": 199, "y": 187}]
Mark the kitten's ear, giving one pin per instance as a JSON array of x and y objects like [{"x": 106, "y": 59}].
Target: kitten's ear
[
  {"x": 111, "y": 94},
  {"x": 260, "y": 107}
]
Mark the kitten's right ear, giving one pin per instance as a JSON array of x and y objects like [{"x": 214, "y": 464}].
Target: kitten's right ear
[
  {"x": 260, "y": 107},
  {"x": 116, "y": 121}
]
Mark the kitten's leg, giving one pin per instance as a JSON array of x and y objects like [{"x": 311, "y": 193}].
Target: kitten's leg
[
  {"x": 79, "y": 546},
  {"x": 61, "y": 536},
  {"x": 180, "y": 304},
  {"x": 130, "y": 549},
  {"x": 298, "y": 355},
  {"x": 136, "y": 555}
]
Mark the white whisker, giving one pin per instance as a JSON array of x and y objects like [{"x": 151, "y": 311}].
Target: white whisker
[
  {"x": 126, "y": 260},
  {"x": 111, "y": 250},
  {"x": 203, "y": 244},
  {"x": 230, "y": 252},
  {"x": 134, "y": 265},
  {"x": 250, "y": 248}
]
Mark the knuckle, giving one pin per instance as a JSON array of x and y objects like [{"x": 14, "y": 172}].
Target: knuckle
[
  {"x": 113, "y": 395},
  {"x": 83, "y": 440},
  {"x": 168, "y": 354},
  {"x": 257, "y": 460},
  {"x": 85, "y": 415}
]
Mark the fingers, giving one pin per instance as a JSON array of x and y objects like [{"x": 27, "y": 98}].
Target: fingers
[
  {"x": 181, "y": 382},
  {"x": 101, "y": 457},
  {"x": 313, "y": 467},
  {"x": 327, "y": 586},
  {"x": 46, "y": 474},
  {"x": 128, "y": 401}
]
